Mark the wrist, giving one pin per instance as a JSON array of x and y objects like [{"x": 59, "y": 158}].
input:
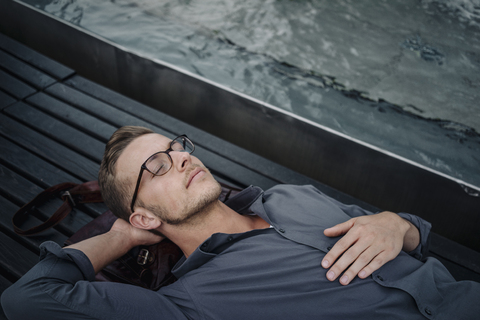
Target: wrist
[
  {"x": 121, "y": 240},
  {"x": 101, "y": 250},
  {"x": 401, "y": 224},
  {"x": 411, "y": 238}
]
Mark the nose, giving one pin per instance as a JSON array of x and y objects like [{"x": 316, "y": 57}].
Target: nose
[{"x": 181, "y": 160}]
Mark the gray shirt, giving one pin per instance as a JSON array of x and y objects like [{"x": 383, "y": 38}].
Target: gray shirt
[{"x": 272, "y": 273}]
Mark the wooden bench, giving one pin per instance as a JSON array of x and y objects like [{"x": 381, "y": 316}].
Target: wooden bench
[{"x": 53, "y": 128}]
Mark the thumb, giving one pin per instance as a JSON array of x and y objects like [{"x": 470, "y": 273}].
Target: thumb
[{"x": 339, "y": 229}]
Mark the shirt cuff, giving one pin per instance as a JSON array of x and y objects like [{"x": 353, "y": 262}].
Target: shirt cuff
[
  {"x": 51, "y": 248},
  {"x": 424, "y": 227}
]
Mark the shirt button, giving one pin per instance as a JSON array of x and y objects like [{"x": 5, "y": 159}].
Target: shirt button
[
  {"x": 205, "y": 244},
  {"x": 229, "y": 238},
  {"x": 281, "y": 230},
  {"x": 379, "y": 277},
  {"x": 428, "y": 311}
]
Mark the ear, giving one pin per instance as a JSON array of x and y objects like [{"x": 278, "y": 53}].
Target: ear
[{"x": 144, "y": 219}]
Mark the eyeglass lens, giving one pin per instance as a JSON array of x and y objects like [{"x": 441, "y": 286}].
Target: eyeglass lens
[{"x": 160, "y": 163}]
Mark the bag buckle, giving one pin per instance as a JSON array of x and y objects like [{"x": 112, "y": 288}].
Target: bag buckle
[
  {"x": 68, "y": 195},
  {"x": 143, "y": 257}
]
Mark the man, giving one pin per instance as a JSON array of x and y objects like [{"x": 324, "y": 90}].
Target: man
[{"x": 258, "y": 256}]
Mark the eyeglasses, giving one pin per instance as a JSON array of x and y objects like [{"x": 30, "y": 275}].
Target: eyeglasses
[{"x": 161, "y": 162}]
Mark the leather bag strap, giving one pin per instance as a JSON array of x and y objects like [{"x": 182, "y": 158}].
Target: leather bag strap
[{"x": 71, "y": 193}]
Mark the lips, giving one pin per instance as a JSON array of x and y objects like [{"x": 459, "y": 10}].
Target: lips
[{"x": 193, "y": 174}]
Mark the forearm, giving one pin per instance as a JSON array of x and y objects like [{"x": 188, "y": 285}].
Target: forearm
[
  {"x": 46, "y": 291},
  {"x": 62, "y": 286},
  {"x": 103, "y": 249}
]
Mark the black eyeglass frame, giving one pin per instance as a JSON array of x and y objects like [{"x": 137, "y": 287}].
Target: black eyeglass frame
[{"x": 144, "y": 167}]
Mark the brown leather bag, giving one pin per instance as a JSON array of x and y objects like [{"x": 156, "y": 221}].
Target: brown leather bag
[{"x": 145, "y": 266}]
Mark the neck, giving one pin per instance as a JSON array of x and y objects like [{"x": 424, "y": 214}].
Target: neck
[{"x": 217, "y": 218}]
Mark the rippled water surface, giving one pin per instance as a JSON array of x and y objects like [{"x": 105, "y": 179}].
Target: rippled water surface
[{"x": 403, "y": 75}]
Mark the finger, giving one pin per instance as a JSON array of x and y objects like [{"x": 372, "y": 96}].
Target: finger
[
  {"x": 346, "y": 260},
  {"x": 376, "y": 263},
  {"x": 339, "y": 229},
  {"x": 362, "y": 262},
  {"x": 342, "y": 245},
  {"x": 370, "y": 260},
  {"x": 337, "y": 250}
]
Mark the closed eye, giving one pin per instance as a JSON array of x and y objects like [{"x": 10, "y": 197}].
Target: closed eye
[
  {"x": 177, "y": 146},
  {"x": 157, "y": 170}
]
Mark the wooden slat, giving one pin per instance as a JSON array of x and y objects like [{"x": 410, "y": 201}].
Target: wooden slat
[
  {"x": 218, "y": 164},
  {"x": 72, "y": 116},
  {"x": 34, "y": 58},
  {"x": 4, "y": 284},
  {"x": 7, "y": 211},
  {"x": 16, "y": 188},
  {"x": 458, "y": 271},
  {"x": 453, "y": 251},
  {"x": 14, "y": 87},
  {"x": 24, "y": 71},
  {"x": 49, "y": 150},
  {"x": 6, "y": 100},
  {"x": 34, "y": 168},
  {"x": 15, "y": 258},
  {"x": 57, "y": 130},
  {"x": 20, "y": 191},
  {"x": 41, "y": 172}
]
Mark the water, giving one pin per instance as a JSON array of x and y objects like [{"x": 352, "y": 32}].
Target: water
[{"x": 403, "y": 75}]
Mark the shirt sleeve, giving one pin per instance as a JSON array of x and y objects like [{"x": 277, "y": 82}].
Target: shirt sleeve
[
  {"x": 423, "y": 226},
  {"x": 62, "y": 286}
]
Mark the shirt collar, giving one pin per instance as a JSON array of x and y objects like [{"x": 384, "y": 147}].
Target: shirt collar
[
  {"x": 244, "y": 200},
  {"x": 218, "y": 242}
]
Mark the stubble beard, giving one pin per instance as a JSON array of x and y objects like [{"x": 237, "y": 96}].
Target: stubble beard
[{"x": 194, "y": 208}]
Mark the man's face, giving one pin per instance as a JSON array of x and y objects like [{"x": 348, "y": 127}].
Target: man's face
[{"x": 179, "y": 195}]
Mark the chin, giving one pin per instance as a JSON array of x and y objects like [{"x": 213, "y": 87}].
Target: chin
[
  {"x": 211, "y": 191},
  {"x": 198, "y": 205}
]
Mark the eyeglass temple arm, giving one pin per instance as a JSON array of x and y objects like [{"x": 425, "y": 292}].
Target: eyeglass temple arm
[{"x": 136, "y": 188}]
